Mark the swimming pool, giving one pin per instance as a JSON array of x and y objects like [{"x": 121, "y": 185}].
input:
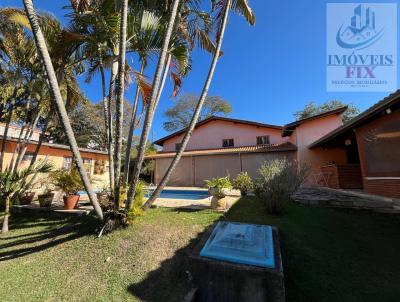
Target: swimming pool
[{"x": 181, "y": 194}]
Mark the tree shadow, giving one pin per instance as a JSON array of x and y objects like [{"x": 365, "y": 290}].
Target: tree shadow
[
  {"x": 171, "y": 281},
  {"x": 51, "y": 233}
]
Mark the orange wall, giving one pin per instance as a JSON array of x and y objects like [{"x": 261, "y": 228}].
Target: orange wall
[
  {"x": 56, "y": 156},
  {"x": 210, "y": 135}
]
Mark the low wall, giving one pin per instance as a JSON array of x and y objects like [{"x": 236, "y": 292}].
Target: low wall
[
  {"x": 347, "y": 176},
  {"x": 384, "y": 187}
]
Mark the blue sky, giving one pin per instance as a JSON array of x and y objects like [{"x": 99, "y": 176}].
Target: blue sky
[{"x": 267, "y": 71}]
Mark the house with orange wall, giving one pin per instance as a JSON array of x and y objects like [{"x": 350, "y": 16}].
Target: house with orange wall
[
  {"x": 371, "y": 142},
  {"x": 222, "y": 146},
  {"x": 95, "y": 161}
]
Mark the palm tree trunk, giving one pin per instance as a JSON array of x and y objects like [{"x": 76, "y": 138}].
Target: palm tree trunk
[
  {"x": 4, "y": 228},
  {"x": 132, "y": 129},
  {"x": 41, "y": 137},
  {"x": 164, "y": 77},
  {"x": 196, "y": 114},
  {"x": 56, "y": 96},
  {"x": 111, "y": 94},
  {"x": 106, "y": 108},
  {"x": 150, "y": 112},
  {"x": 119, "y": 104},
  {"x": 26, "y": 142},
  {"x": 5, "y": 134}
]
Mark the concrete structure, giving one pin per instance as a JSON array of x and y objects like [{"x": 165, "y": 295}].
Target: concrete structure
[
  {"x": 223, "y": 146},
  {"x": 371, "y": 142}
]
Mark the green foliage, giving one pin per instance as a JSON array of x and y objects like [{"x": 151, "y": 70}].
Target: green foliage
[
  {"x": 277, "y": 181},
  {"x": 243, "y": 182},
  {"x": 180, "y": 114},
  {"x": 138, "y": 201},
  {"x": 69, "y": 182},
  {"x": 12, "y": 182},
  {"x": 218, "y": 185},
  {"x": 312, "y": 109}
]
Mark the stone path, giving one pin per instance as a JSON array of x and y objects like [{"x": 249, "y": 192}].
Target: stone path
[{"x": 321, "y": 196}]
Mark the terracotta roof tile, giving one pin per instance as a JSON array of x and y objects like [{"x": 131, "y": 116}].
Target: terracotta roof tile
[{"x": 244, "y": 149}]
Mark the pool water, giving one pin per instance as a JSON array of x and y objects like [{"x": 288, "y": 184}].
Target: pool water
[{"x": 181, "y": 194}]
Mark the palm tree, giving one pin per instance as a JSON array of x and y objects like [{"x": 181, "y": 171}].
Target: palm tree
[
  {"x": 120, "y": 102},
  {"x": 242, "y": 7},
  {"x": 56, "y": 96},
  {"x": 12, "y": 182},
  {"x": 150, "y": 111}
]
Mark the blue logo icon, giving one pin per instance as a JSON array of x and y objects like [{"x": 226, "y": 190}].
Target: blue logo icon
[{"x": 361, "y": 32}]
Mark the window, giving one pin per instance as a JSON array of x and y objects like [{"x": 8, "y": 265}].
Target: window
[
  {"x": 228, "y": 142},
  {"x": 87, "y": 164},
  {"x": 28, "y": 156},
  {"x": 67, "y": 163},
  {"x": 177, "y": 146},
  {"x": 99, "y": 167},
  {"x": 263, "y": 140}
]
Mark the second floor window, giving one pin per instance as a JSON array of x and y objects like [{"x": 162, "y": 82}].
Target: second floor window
[
  {"x": 228, "y": 142},
  {"x": 178, "y": 146},
  {"x": 263, "y": 140}
]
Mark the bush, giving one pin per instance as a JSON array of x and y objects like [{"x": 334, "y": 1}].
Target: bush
[
  {"x": 217, "y": 186},
  {"x": 277, "y": 181},
  {"x": 138, "y": 200},
  {"x": 243, "y": 183},
  {"x": 69, "y": 182}
]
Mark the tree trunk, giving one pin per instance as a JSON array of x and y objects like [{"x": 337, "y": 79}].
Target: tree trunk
[
  {"x": 150, "y": 112},
  {"x": 119, "y": 104},
  {"x": 26, "y": 142},
  {"x": 41, "y": 137},
  {"x": 164, "y": 77},
  {"x": 132, "y": 129},
  {"x": 4, "y": 228},
  {"x": 5, "y": 134},
  {"x": 196, "y": 114},
  {"x": 111, "y": 94},
  {"x": 106, "y": 108},
  {"x": 56, "y": 96}
]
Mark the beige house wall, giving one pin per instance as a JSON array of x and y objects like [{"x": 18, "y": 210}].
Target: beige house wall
[{"x": 193, "y": 170}]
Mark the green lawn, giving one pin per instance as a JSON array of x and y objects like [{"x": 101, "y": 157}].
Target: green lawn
[{"x": 329, "y": 255}]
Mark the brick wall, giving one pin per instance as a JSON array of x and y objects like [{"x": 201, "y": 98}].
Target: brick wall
[
  {"x": 384, "y": 187},
  {"x": 343, "y": 176}
]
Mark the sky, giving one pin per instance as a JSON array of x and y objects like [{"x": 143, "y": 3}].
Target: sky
[{"x": 267, "y": 72}]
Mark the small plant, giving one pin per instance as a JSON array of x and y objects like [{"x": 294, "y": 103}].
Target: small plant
[
  {"x": 243, "y": 183},
  {"x": 68, "y": 181},
  {"x": 218, "y": 185},
  {"x": 138, "y": 201},
  {"x": 277, "y": 181}
]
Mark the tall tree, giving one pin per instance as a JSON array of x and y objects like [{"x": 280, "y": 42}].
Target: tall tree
[
  {"x": 180, "y": 114},
  {"x": 222, "y": 18},
  {"x": 56, "y": 96},
  {"x": 312, "y": 109},
  {"x": 120, "y": 103},
  {"x": 150, "y": 110}
]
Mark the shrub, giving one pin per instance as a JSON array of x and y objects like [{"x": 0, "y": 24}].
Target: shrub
[
  {"x": 277, "y": 181},
  {"x": 243, "y": 183},
  {"x": 68, "y": 181},
  {"x": 138, "y": 200},
  {"x": 217, "y": 186}
]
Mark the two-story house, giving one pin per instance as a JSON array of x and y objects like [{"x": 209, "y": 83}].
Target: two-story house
[{"x": 223, "y": 146}]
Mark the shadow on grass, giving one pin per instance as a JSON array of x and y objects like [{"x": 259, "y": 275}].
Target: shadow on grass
[
  {"x": 42, "y": 233},
  {"x": 171, "y": 281}
]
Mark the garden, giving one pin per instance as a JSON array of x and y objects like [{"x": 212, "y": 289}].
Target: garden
[{"x": 53, "y": 260}]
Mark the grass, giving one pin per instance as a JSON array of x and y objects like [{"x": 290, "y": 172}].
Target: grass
[{"x": 328, "y": 254}]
